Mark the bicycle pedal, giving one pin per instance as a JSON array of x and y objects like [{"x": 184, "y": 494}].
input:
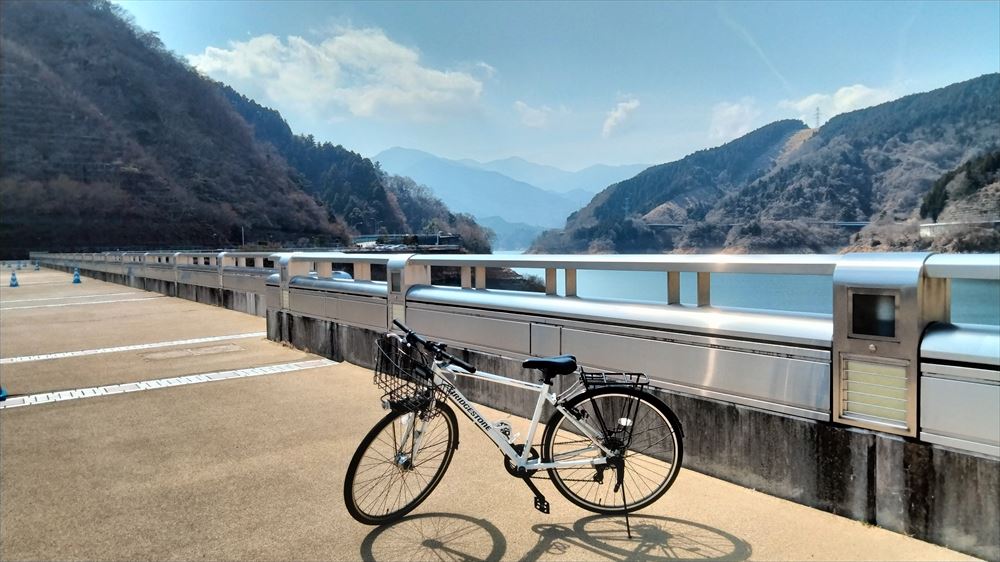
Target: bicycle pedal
[{"x": 541, "y": 505}]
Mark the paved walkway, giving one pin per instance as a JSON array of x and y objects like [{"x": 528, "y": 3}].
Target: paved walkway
[{"x": 241, "y": 455}]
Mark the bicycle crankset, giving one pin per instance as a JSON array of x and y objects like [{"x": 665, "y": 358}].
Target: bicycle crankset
[
  {"x": 512, "y": 468},
  {"x": 541, "y": 504}
]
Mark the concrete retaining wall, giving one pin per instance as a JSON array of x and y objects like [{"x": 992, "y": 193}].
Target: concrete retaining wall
[
  {"x": 927, "y": 491},
  {"x": 240, "y": 301}
]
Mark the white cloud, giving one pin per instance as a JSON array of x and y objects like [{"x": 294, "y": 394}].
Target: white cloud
[
  {"x": 361, "y": 71},
  {"x": 535, "y": 117},
  {"x": 843, "y": 100},
  {"x": 488, "y": 70},
  {"x": 732, "y": 120},
  {"x": 618, "y": 115}
]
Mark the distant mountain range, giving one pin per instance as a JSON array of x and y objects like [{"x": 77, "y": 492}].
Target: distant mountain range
[
  {"x": 788, "y": 188},
  {"x": 520, "y": 195},
  {"x": 591, "y": 179}
]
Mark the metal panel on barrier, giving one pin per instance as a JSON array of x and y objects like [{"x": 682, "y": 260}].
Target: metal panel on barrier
[
  {"x": 203, "y": 276},
  {"x": 546, "y": 340},
  {"x": 474, "y": 331},
  {"x": 249, "y": 282},
  {"x": 160, "y": 272},
  {"x": 356, "y": 303},
  {"x": 812, "y": 330},
  {"x": 312, "y": 303},
  {"x": 367, "y": 313},
  {"x": 960, "y": 413},
  {"x": 757, "y": 380}
]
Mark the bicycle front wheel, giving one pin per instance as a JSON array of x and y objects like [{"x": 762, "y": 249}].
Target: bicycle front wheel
[
  {"x": 644, "y": 435},
  {"x": 398, "y": 464}
]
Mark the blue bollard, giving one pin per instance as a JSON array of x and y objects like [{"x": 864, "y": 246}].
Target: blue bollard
[
  {"x": 76, "y": 275},
  {"x": 13, "y": 279}
]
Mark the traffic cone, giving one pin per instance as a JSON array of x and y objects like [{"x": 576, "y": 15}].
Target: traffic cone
[
  {"x": 76, "y": 275},
  {"x": 13, "y": 279}
]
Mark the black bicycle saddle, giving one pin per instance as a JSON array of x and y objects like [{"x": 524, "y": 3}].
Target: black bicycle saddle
[{"x": 552, "y": 366}]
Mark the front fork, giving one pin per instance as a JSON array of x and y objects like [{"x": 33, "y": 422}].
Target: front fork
[{"x": 413, "y": 432}]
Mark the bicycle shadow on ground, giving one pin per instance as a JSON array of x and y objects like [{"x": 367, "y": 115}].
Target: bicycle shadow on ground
[
  {"x": 435, "y": 536},
  {"x": 654, "y": 539}
]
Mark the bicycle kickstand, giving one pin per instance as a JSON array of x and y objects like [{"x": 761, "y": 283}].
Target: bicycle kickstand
[
  {"x": 620, "y": 473},
  {"x": 540, "y": 502}
]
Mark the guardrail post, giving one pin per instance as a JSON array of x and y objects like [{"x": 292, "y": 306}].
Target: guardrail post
[
  {"x": 570, "y": 278},
  {"x": 550, "y": 281},
  {"x": 401, "y": 275},
  {"x": 324, "y": 269},
  {"x": 288, "y": 268},
  {"x": 362, "y": 271},
  {"x": 704, "y": 288},
  {"x": 220, "y": 264},
  {"x": 466, "y": 277},
  {"x": 673, "y": 287},
  {"x": 480, "y": 277},
  {"x": 177, "y": 273}
]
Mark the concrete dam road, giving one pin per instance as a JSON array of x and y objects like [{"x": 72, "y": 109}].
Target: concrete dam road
[{"x": 241, "y": 455}]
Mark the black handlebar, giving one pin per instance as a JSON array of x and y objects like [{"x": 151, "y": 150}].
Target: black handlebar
[{"x": 438, "y": 348}]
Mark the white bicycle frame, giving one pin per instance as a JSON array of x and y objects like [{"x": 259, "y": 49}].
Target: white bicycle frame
[{"x": 521, "y": 459}]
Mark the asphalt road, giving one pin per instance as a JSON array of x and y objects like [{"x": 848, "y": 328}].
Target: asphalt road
[{"x": 252, "y": 467}]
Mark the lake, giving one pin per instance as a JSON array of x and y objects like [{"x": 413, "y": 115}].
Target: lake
[{"x": 973, "y": 301}]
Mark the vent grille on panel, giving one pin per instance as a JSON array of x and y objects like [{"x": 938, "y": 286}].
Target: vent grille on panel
[{"x": 875, "y": 392}]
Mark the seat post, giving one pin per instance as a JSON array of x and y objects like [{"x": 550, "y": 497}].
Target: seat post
[{"x": 543, "y": 394}]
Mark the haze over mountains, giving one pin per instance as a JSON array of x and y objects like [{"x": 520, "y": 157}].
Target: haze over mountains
[
  {"x": 784, "y": 187},
  {"x": 521, "y": 194},
  {"x": 591, "y": 179}
]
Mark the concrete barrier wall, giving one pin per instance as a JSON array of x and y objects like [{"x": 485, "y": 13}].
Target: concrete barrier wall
[{"x": 770, "y": 429}]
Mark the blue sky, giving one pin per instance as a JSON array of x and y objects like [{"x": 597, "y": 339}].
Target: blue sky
[{"x": 571, "y": 84}]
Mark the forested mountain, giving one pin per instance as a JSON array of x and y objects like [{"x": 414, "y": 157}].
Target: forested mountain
[
  {"x": 368, "y": 199},
  {"x": 109, "y": 140},
  {"x": 964, "y": 202},
  {"x": 784, "y": 187}
]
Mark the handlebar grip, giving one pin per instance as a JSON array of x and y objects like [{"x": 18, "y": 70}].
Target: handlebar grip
[
  {"x": 462, "y": 364},
  {"x": 411, "y": 336}
]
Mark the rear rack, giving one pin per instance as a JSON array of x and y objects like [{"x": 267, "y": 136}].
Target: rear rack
[{"x": 598, "y": 380}]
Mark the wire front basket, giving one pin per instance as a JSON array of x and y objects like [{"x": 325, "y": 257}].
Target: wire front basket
[{"x": 403, "y": 373}]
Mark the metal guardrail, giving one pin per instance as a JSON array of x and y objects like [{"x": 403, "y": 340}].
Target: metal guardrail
[
  {"x": 818, "y": 366},
  {"x": 963, "y": 266}
]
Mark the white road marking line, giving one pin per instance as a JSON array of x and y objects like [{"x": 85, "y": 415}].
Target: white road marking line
[
  {"x": 78, "y": 303},
  {"x": 44, "y": 283},
  {"x": 76, "y": 297},
  {"x": 64, "y": 395},
  {"x": 27, "y": 358}
]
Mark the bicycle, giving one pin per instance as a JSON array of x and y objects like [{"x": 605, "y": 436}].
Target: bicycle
[{"x": 604, "y": 423}]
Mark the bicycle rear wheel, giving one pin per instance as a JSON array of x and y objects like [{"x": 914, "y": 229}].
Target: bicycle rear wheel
[
  {"x": 389, "y": 476},
  {"x": 642, "y": 431}
]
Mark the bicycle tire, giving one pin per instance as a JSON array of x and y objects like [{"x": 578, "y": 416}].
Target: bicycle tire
[
  {"x": 651, "y": 461},
  {"x": 398, "y": 485}
]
